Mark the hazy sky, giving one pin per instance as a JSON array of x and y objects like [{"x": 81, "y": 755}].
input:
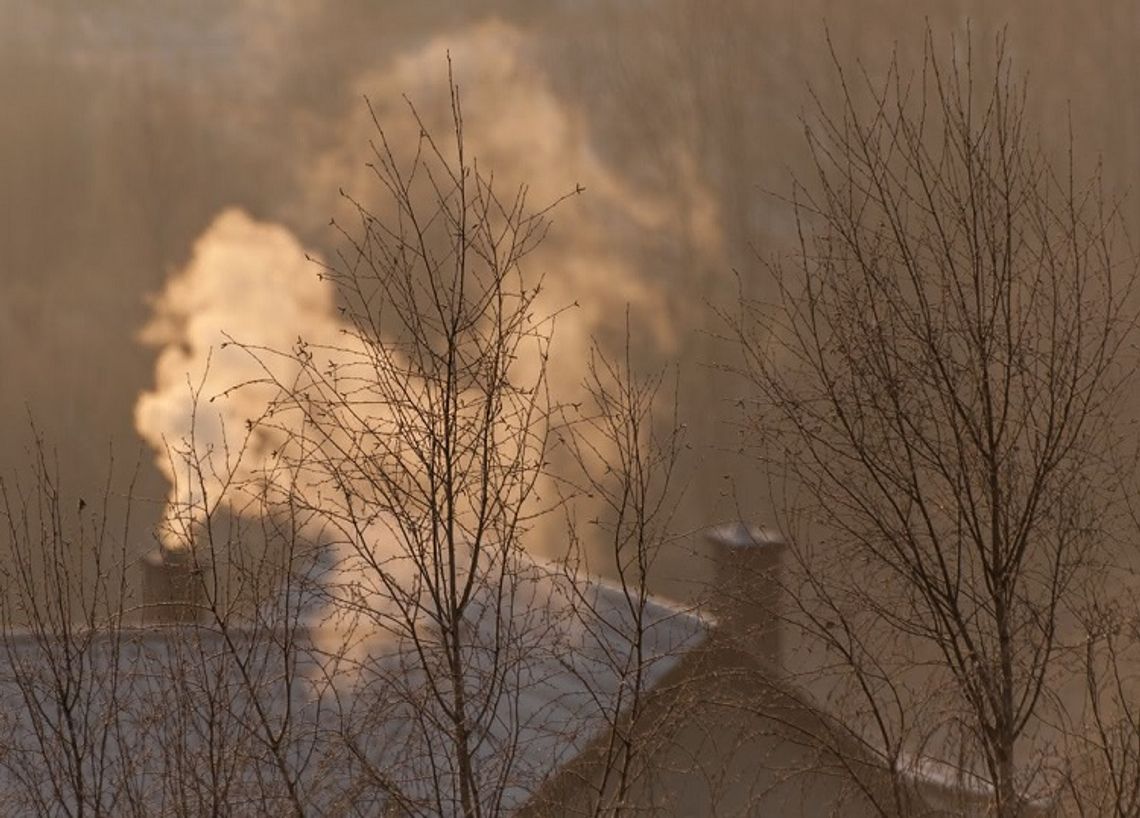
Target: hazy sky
[{"x": 140, "y": 138}]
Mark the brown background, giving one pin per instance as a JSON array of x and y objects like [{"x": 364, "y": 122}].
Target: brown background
[{"x": 126, "y": 126}]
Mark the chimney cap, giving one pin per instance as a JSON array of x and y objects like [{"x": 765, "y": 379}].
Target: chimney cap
[
  {"x": 161, "y": 556},
  {"x": 740, "y": 535}
]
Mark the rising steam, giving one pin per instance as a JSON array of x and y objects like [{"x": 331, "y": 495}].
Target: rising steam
[
  {"x": 517, "y": 127},
  {"x": 248, "y": 282}
]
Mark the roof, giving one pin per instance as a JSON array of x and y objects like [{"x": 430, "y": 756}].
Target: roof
[
  {"x": 569, "y": 649},
  {"x": 345, "y": 707}
]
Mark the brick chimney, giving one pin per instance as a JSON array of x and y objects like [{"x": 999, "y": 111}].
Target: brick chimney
[
  {"x": 746, "y": 591},
  {"x": 172, "y": 589}
]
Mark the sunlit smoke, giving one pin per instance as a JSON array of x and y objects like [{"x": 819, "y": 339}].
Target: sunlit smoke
[
  {"x": 250, "y": 281},
  {"x": 247, "y": 282},
  {"x": 519, "y": 129}
]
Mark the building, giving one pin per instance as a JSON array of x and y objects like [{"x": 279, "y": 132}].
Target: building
[{"x": 585, "y": 693}]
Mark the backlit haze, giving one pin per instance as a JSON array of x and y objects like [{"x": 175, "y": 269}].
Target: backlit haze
[{"x": 167, "y": 166}]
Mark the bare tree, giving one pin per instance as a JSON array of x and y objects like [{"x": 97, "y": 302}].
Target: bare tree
[
  {"x": 353, "y": 626},
  {"x": 198, "y": 710},
  {"x": 937, "y": 385},
  {"x": 1103, "y": 759},
  {"x": 627, "y": 461},
  {"x": 63, "y": 597},
  {"x": 419, "y": 448},
  {"x": 418, "y": 440},
  {"x": 240, "y": 719}
]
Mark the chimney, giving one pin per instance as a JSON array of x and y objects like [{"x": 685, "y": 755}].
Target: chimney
[
  {"x": 746, "y": 590},
  {"x": 172, "y": 588}
]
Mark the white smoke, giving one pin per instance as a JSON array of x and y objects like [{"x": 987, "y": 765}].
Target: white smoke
[
  {"x": 249, "y": 281},
  {"x": 246, "y": 282},
  {"x": 517, "y": 127}
]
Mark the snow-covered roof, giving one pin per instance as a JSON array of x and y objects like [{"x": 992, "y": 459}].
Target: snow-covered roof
[
  {"x": 950, "y": 787},
  {"x": 738, "y": 534},
  {"x": 354, "y": 711}
]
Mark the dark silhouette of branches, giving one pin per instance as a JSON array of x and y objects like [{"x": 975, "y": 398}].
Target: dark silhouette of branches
[{"x": 937, "y": 383}]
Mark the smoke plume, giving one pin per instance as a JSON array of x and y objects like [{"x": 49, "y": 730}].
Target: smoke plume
[{"x": 247, "y": 282}]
